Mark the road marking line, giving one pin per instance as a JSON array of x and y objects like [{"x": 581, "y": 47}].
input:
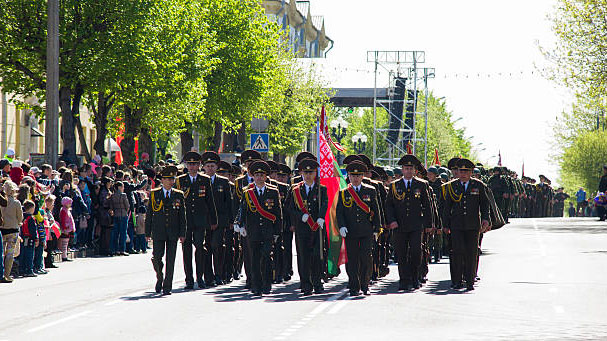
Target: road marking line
[
  {"x": 539, "y": 240},
  {"x": 65, "y": 319},
  {"x": 338, "y": 306}
]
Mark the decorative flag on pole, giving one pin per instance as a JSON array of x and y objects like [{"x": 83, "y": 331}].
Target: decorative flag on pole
[
  {"x": 436, "y": 161},
  {"x": 331, "y": 176},
  {"x": 499, "y": 160},
  {"x": 324, "y": 128},
  {"x": 119, "y": 138},
  {"x": 409, "y": 149},
  {"x": 523, "y": 172}
]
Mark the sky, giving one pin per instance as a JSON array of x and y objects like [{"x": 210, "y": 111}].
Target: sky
[{"x": 487, "y": 64}]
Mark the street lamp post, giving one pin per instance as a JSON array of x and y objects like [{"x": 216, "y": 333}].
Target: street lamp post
[
  {"x": 338, "y": 130},
  {"x": 360, "y": 142}
]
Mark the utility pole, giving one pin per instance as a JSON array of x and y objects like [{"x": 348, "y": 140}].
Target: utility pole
[{"x": 51, "y": 128}]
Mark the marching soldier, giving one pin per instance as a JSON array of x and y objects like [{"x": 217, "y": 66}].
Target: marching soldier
[
  {"x": 201, "y": 214},
  {"x": 465, "y": 216},
  {"x": 279, "y": 178},
  {"x": 240, "y": 185},
  {"x": 215, "y": 238},
  {"x": 308, "y": 206},
  {"x": 409, "y": 212},
  {"x": 261, "y": 221},
  {"x": 165, "y": 223},
  {"x": 230, "y": 260},
  {"x": 501, "y": 190},
  {"x": 359, "y": 223},
  {"x": 284, "y": 172}
]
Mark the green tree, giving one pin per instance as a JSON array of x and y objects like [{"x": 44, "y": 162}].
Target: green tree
[
  {"x": 578, "y": 63},
  {"x": 583, "y": 161}
]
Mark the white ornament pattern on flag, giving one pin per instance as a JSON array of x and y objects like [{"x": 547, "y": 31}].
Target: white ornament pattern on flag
[{"x": 326, "y": 159}]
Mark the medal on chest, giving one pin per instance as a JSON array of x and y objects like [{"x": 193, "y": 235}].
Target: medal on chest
[{"x": 202, "y": 191}]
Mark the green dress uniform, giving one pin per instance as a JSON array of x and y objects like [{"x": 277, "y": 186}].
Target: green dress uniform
[
  {"x": 165, "y": 223},
  {"x": 359, "y": 226},
  {"x": 201, "y": 213},
  {"x": 409, "y": 205},
  {"x": 311, "y": 200},
  {"x": 261, "y": 217},
  {"x": 466, "y": 206}
]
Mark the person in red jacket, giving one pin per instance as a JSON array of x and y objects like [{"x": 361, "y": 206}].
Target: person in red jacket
[{"x": 29, "y": 234}]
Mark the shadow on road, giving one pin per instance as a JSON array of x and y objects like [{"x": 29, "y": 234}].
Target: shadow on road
[{"x": 280, "y": 293}]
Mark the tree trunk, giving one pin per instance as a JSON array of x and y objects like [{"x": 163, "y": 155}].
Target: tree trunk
[
  {"x": 187, "y": 141},
  {"x": 67, "y": 126},
  {"x": 217, "y": 136},
  {"x": 228, "y": 142},
  {"x": 146, "y": 145},
  {"x": 104, "y": 105},
  {"x": 242, "y": 134},
  {"x": 78, "y": 92},
  {"x": 132, "y": 126}
]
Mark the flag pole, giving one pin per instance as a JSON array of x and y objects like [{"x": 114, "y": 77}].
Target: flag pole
[{"x": 319, "y": 198}]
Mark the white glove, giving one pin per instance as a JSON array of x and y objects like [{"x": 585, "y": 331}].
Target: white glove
[
  {"x": 320, "y": 222},
  {"x": 375, "y": 235},
  {"x": 243, "y": 232},
  {"x": 236, "y": 228},
  {"x": 304, "y": 218},
  {"x": 343, "y": 231}
]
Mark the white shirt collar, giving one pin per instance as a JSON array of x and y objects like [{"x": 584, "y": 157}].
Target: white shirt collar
[{"x": 262, "y": 189}]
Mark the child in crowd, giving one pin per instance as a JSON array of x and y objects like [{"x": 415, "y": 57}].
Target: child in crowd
[
  {"x": 39, "y": 250},
  {"x": 67, "y": 225},
  {"x": 571, "y": 210},
  {"x": 52, "y": 231},
  {"x": 29, "y": 235},
  {"x": 140, "y": 242}
]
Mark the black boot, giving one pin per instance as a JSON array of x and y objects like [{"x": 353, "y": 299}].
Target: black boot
[{"x": 159, "y": 277}]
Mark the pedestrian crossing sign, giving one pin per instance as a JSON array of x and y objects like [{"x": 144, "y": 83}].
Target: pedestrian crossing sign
[{"x": 260, "y": 142}]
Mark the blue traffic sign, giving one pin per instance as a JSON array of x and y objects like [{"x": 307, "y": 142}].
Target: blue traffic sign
[{"x": 260, "y": 142}]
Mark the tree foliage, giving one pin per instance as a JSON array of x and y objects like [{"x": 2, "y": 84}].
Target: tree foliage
[{"x": 578, "y": 63}]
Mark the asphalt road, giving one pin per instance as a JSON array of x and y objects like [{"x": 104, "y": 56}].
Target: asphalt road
[{"x": 541, "y": 279}]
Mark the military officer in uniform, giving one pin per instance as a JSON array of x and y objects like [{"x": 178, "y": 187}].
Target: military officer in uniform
[
  {"x": 465, "y": 216},
  {"x": 165, "y": 223},
  {"x": 229, "y": 264},
  {"x": 284, "y": 172},
  {"x": 201, "y": 214},
  {"x": 240, "y": 185},
  {"x": 308, "y": 206},
  {"x": 278, "y": 257},
  {"x": 408, "y": 213},
  {"x": 215, "y": 238},
  {"x": 260, "y": 221},
  {"x": 357, "y": 217}
]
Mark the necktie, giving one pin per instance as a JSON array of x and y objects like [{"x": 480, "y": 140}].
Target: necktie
[
  {"x": 168, "y": 194},
  {"x": 259, "y": 192},
  {"x": 408, "y": 184}
]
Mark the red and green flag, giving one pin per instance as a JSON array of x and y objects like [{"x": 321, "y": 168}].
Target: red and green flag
[{"x": 331, "y": 176}]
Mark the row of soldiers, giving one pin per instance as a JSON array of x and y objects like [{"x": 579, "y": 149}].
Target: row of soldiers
[
  {"x": 523, "y": 197},
  {"x": 228, "y": 220}
]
